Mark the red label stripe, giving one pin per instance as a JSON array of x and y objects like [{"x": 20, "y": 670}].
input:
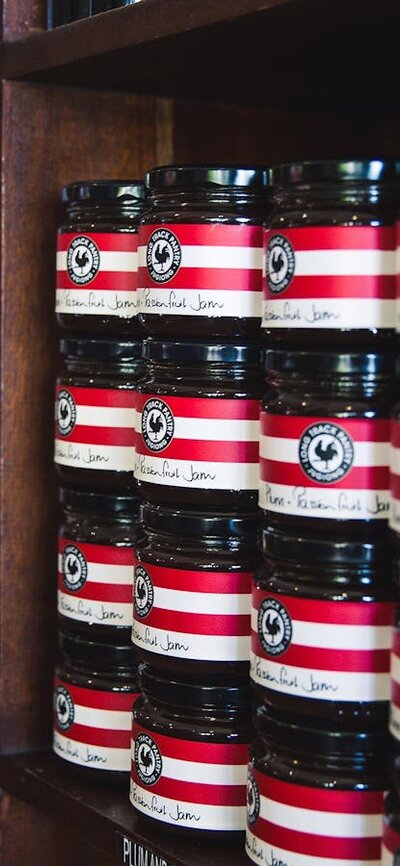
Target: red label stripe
[
  {"x": 338, "y": 237},
  {"x": 115, "y": 398},
  {"x": 355, "y": 661},
  {"x": 319, "y": 799},
  {"x": 102, "y": 553},
  {"x": 199, "y": 623},
  {"x": 99, "y": 700},
  {"x": 122, "y": 281},
  {"x": 395, "y": 485},
  {"x": 334, "y": 612},
  {"x": 196, "y": 449},
  {"x": 396, "y": 642},
  {"x": 197, "y": 581},
  {"x": 308, "y": 844},
  {"x": 391, "y": 838},
  {"x": 293, "y": 426},
  {"x": 98, "y": 736},
  {"x": 395, "y": 433},
  {"x": 321, "y": 287},
  {"x": 125, "y": 242},
  {"x": 218, "y": 279},
  {"x": 202, "y": 753},
  {"x": 196, "y": 792},
  {"x": 205, "y": 407},
  {"x": 91, "y": 591},
  {"x": 214, "y": 234},
  {"x": 87, "y": 435},
  {"x": 358, "y": 478},
  {"x": 395, "y": 693}
]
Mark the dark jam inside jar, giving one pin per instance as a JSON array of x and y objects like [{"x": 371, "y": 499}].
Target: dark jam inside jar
[
  {"x": 197, "y": 416},
  {"x": 209, "y": 561},
  {"x": 200, "y": 240},
  {"x": 189, "y": 754},
  {"x": 330, "y": 254},
  {"x": 324, "y": 617},
  {"x": 95, "y": 687},
  {"x": 94, "y": 413},
  {"x": 97, "y": 257},
  {"x": 96, "y": 544},
  {"x": 325, "y": 432}
]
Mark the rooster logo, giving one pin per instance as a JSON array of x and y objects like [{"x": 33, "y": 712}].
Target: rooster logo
[
  {"x": 280, "y": 263},
  {"x": 147, "y": 758},
  {"x": 65, "y": 412},
  {"x": 63, "y": 708},
  {"x": 83, "y": 260},
  {"x": 274, "y": 626},
  {"x": 157, "y": 424},
  {"x": 326, "y": 452},
  {"x": 163, "y": 255},
  {"x": 74, "y": 568},
  {"x": 143, "y": 592}
]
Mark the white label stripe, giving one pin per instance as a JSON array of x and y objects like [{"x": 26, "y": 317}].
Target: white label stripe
[
  {"x": 212, "y": 429},
  {"x": 118, "y": 458},
  {"x": 197, "y": 815},
  {"x": 99, "y": 572},
  {"x": 203, "y": 774},
  {"x": 101, "y": 613},
  {"x": 208, "y": 303},
  {"x": 113, "y": 261},
  {"x": 203, "y": 256},
  {"x": 97, "y": 302},
  {"x": 106, "y": 416},
  {"x": 91, "y": 757},
  {"x": 214, "y": 604},
  {"x": 112, "y": 720},
  {"x": 264, "y": 853},
  {"x": 395, "y": 668},
  {"x": 394, "y": 460},
  {"x": 286, "y": 450},
  {"x": 323, "y": 635},
  {"x": 387, "y": 856},
  {"x": 338, "y": 825},
  {"x": 336, "y": 503},
  {"x": 175, "y": 644},
  {"x": 199, "y": 474},
  {"x": 323, "y": 685},
  {"x": 346, "y": 263},
  {"x": 328, "y": 313}
]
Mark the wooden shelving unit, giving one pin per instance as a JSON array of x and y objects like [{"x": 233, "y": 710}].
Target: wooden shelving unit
[{"x": 161, "y": 81}]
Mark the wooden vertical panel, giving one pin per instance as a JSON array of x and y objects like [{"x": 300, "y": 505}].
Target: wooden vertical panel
[{"x": 52, "y": 136}]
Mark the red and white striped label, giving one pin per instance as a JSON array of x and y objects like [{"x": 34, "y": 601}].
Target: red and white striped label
[
  {"x": 398, "y": 277},
  {"x": 95, "y": 428},
  {"x": 207, "y": 443},
  {"x": 196, "y": 615},
  {"x": 390, "y": 846},
  {"x": 97, "y": 274},
  {"x": 331, "y": 468},
  {"x": 394, "y": 714},
  {"x": 95, "y": 583},
  {"x": 92, "y": 728},
  {"x": 297, "y": 825},
  {"x": 325, "y": 650},
  {"x": 200, "y": 270},
  {"x": 394, "y": 518},
  {"x": 330, "y": 277},
  {"x": 188, "y": 783}
]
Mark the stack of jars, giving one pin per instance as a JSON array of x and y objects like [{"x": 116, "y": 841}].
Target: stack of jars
[
  {"x": 323, "y": 600},
  {"x": 197, "y": 441},
  {"x": 96, "y": 678}
]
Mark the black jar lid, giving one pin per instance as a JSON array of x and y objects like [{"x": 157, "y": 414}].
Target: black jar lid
[
  {"x": 313, "y": 363},
  {"x": 101, "y": 349},
  {"x": 197, "y": 351},
  {"x": 99, "y": 503},
  {"x": 321, "y": 736},
  {"x": 240, "y": 176},
  {"x": 96, "y": 654},
  {"x": 336, "y": 171},
  {"x": 103, "y": 191},
  {"x": 317, "y": 549},
  {"x": 194, "y": 692},
  {"x": 199, "y": 524}
]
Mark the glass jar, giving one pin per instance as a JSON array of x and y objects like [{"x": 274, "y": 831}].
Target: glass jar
[
  {"x": 96, "y": 543},
  {"x": 330, "y": 254},
  {"x": 192, "y": 591},
  {"x": 323, "y": 617},
  {"x": 325, "y": 436},
  {"x": 394, "y": 715},
  {"x": 314, "y": 793},
  {"x": 97, "y": 257},
  {"x": 95, "y": 413},
  {"x": 197, "y": 424},
  {"x": 189, "y": 754},
  {"x": 200, "y": 251},
  {"x": 394, "y": 514},
  {"x": 95, "y": 686}
]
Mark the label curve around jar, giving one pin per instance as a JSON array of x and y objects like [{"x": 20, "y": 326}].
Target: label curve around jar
[
  {"x": 394, "y": 712},
  {"x": 390, "y": 846}
]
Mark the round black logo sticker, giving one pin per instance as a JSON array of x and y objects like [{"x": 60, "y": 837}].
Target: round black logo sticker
[
  {"x": 65, "y": 412},
  {"x": 147, "y": 757},
  {"x": 253, "y": 800},
  {"x": 74, "y": 568},
  {"x": 83, "y": 260},
  {"x": 143, "y": 592},
  {"x": 157, "y": 424},
  {"x": 326, "y": 452},
  {"x": 63, "y": 708},
  {"x": 274, "y": 627},
  {"x": 280, "y": 263},
  {"x": 163, "y": 255}
]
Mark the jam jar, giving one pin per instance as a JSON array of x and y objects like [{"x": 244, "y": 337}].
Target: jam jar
[
  {"x": 394, "y": 713},
  {"x": 200, "y": 251},
  {"x": 322, "y": 627},
  {"x": 95, "y": 413},
  {"x": 96, "y": 279},
  {"x": 314, "y": 793},
  {"x": 189, "y": 754},
  {"x": 330, "y": 254},
  {"x": 192, "y": 590},
  {"x": 95, "y": 686},
  {"x": 325, "y": 432},
  {"x": 391, "y": 828},
  {"x": 394, "y": 516},
  {"x": 96, "y": 544},
  {"x": 197, "y": 436}
]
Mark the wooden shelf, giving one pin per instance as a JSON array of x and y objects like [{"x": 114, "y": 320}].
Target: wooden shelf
[
  {"x": 102, "y": 815},
  {"x": 306, "y": 53}
]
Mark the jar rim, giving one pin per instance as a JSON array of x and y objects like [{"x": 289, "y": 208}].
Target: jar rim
[
  {"x": 117, "y": 191},
  {"x": 198, "y": 351},
  {"x": 316, "y": 362},
  {"x": 316, "y": 550},
  {"x": 194, "y": 692},
  {"x": 197, "y": 523},
  {"x": 80, "y": 650},
  {"x": 372, "y": 170},
  {"x": 101, "y": 349},
  {"x": 320, "y": 736},
  {"x": 213, "y": 176},
  {"x": 100, "y": 503}
]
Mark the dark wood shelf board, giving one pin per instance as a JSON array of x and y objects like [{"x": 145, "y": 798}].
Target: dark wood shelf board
[
  {"x": 272, "y": 52},
  {"x": 98, "y": 814}
]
